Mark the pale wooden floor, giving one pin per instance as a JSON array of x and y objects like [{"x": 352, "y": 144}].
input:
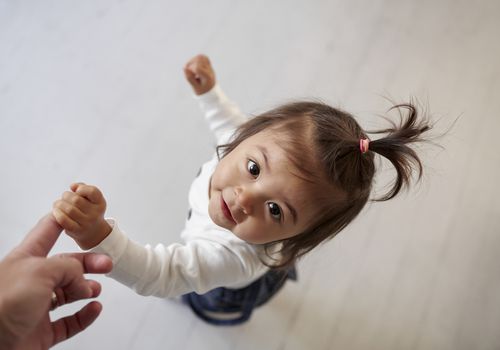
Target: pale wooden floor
[{"x": 93, "y": 91}]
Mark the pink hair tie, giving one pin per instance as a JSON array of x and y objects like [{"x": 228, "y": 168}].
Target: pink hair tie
[{"x": 363, "y": 145}]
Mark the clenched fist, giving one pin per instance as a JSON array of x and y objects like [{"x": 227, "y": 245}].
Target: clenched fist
[
  {"x": 200, "y": 74},
  {"x": 81, "y": 213}
]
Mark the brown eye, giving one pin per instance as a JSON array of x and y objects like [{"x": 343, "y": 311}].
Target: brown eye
[
  {"x": 253, "y": 168},
  {"x": 274, "y": 210}
]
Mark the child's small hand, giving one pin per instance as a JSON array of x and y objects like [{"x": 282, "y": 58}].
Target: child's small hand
[
  {"x": 200, "y": 74},
  {"x": 81, "y": 213}
]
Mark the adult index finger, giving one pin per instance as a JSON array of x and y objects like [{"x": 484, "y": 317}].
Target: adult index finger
[{"x": 40, "y": 240}]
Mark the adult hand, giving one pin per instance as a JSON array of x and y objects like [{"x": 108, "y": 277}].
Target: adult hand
[
  {"x": 200, "y": 74},
  {"x": 28, "y": 280}
]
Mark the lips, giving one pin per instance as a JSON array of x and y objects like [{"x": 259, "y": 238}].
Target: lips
[{"x": 226, "y": 211}]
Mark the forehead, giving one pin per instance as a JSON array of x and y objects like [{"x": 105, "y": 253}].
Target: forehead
[{"x": 290, "y": 152}]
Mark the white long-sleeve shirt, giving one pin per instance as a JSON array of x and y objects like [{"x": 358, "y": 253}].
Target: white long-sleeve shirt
[{"x": 210, "y": 256}]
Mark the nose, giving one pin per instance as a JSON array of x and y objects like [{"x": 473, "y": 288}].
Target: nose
[{"x": 245, "y": 199}]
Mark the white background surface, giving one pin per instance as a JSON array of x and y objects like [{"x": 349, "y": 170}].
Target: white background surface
[{"x": 93, "y": 91}]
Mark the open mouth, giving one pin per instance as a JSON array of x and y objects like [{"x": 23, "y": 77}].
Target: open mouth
[{"x": 226, "y": 211}]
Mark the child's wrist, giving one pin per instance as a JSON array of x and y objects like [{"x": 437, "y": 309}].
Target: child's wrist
[
  {"x": 208, "y": 95},
  {"x": 203, "y": 91},
  {"x": 102, "y": 230}
]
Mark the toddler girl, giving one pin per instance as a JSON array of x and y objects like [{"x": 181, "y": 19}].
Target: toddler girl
[{"x": 280, "y": 184}]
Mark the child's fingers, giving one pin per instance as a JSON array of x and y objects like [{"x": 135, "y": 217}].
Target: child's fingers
[
  {"x": 78, "y": 201},
  {"x": 75, "y": 185},
  {"x": 65, "y": 221},
  {"x": 70, "y": 210},
  {"x": 198, "y": 59},
  {"x": 91, "y": 193},
  {"x": 205, "y": 73},
  {"x": 197, "y": 70},
  {"x": 191, "y": 76},
  {"x": 200, "y": 66},
  {"x": 202, "y": 60},
  {"x": 199, "y": 73},
  {"x": 198, "y": 76}
]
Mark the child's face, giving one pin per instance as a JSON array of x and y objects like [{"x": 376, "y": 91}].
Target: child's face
[{"x": 255, "y": 194}]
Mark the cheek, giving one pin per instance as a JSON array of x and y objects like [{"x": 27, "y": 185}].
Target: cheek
[
  {"x": 216, "y": 180},
  {"x": 223, "y": 171}
]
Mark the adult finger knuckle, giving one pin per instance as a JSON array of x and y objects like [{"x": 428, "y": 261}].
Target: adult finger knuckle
[
  {"x": 38, "y": 269},
  {"x": 75, "y": 264},
  {"x": 70, "y": 263}
]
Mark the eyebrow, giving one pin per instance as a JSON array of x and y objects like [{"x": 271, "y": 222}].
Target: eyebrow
[
  {"x": 263, "y": 150},
  {"x": 291, "y": 209}
]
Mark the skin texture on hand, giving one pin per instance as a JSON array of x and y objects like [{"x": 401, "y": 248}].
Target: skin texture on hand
[
  {"x": 200, "y": 74},
  {"x": 28, "y": 279},
  {"x": 81, "y": 213}
]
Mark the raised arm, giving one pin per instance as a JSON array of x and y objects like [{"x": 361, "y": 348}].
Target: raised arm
[{"x": 223, "y": 115}]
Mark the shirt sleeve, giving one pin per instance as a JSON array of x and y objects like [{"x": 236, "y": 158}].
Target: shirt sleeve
[
  {"x": 223, "y": 115},
  {"x": 176, "y": 269}
]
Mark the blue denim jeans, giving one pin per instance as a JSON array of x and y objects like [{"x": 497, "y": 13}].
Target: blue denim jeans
[{"x": 222, "y": 301}]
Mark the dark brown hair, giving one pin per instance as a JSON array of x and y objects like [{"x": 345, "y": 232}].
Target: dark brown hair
[{"x": 324, "y": 144}]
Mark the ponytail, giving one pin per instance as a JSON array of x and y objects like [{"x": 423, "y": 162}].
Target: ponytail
[{"x": 395, "y": 147}]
